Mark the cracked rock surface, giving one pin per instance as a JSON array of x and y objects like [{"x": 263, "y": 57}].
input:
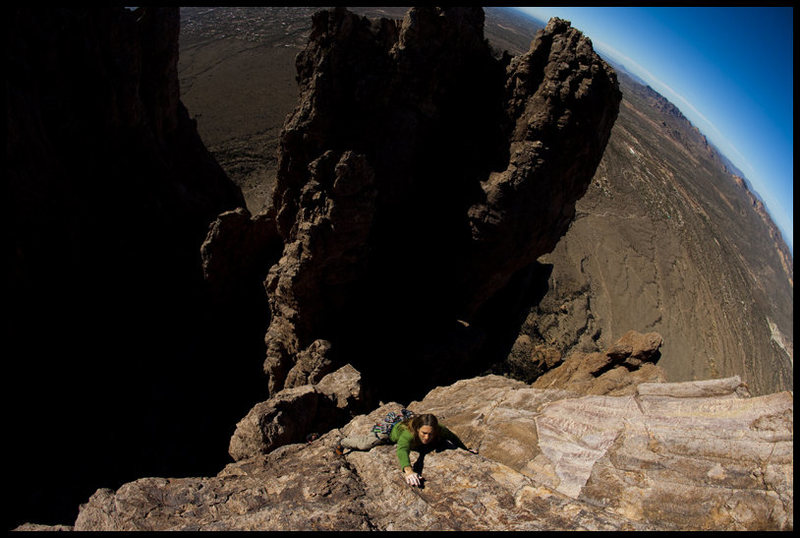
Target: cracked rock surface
[
  {"x": 625, "y": 452},
  {"x": 668, "y": 456}
]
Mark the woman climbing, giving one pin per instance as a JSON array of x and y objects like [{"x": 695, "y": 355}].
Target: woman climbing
[{"x": 420, "y": 433}]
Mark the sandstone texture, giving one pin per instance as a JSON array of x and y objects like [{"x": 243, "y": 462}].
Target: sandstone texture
[
  {"x": 288, "y": 415},
  {"x": 616, "y": 454},
  {"x": 668, "y": 456}
]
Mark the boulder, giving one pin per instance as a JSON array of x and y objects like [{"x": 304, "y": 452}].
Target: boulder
[
  {"x": 285, "y": 418},
  {"x": 293, "y": 413},
  {"x": 627, "y": 363},
  {"x": 344, "y": 388}
]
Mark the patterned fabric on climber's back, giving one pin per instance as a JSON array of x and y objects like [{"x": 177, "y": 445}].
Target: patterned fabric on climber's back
[{"x": 385, "y": 426}]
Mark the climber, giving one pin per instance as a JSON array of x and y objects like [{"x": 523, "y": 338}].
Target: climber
[{"x": 420, "y": 433}]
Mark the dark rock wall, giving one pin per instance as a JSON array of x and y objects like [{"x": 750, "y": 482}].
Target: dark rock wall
[
  {"x": 108, "y": 194},
  {"x": 418, "y": 176}
]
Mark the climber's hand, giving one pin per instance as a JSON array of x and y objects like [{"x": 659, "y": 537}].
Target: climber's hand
[
  {"x": 473, "y": 450},
  {"x": 413, "y": 479}
]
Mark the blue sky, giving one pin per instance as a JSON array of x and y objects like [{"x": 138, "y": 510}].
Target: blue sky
[{"x": 728, "y": 69}]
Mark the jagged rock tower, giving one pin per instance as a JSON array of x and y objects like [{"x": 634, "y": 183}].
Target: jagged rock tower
[{"x": 419, "y": 176}]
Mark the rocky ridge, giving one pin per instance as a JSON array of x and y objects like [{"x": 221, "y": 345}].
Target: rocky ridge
[
  {"x": 655, "y": 456},
  {"x": 607, "y": 445}
]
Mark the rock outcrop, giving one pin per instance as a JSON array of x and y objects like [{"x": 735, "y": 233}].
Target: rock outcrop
[
  {"x": 615, "y": 371},
  {"x": 289, "y": 415},
  {"x": 669, "y": 456},
  {"x": 243, "y": 244},
  {"x": 418, "y": 178},
  {"x": 617, "y": 454}
]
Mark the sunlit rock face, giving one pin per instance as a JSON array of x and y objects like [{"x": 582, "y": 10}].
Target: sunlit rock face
[{"x": 667, "y": 456}]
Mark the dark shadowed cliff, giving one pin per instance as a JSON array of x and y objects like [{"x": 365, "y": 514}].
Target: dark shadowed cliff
[{"x": 108, "y": 192}]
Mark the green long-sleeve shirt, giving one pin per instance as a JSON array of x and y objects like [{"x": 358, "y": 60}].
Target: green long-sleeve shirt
[{"x": 406, "y": 442}]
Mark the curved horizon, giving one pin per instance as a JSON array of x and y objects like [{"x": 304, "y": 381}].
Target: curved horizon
[{"x": 728, "y": 69}]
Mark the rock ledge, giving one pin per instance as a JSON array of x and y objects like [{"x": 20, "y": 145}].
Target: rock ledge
[{"x": 670, "y": 456}]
